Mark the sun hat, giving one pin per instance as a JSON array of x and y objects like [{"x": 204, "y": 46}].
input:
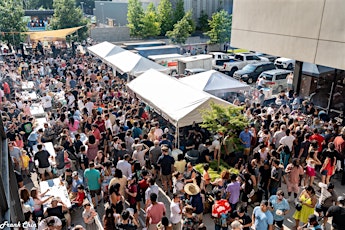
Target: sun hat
[{"x": 191, "y": 189}]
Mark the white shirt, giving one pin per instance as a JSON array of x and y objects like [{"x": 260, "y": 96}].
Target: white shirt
[
  {"x": 175, "y": 213},
  {"x": 89, "y": 107},
  {"x": 125, "y": 167},
  {"x": 107, "y": 124},
  {"x": 71, "y": 99},
  {"x": 215, "y": 145},
  {"x": 47, "y": 101},
  {"x": 270, "y": 110},
  {"x": 81, "y": 105},
  {"x": 287, "y": 140}
]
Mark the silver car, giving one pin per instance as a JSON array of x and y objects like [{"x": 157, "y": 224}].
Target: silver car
[{"x": 275, "y": 79}]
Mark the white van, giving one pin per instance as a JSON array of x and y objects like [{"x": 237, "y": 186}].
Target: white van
[{"x": 276, "y": 79}]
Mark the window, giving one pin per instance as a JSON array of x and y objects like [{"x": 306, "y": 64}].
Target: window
[
  {"x": 281, "y": 76},
  {"x": 250, "y": 58},
  {"x": 259, "y": 69},
  {"x": 269, "y": 66},
  {"x": 268, "y": 77},
  {"x": 256, "y": 58},
  {"x": 239, "y": 57}
]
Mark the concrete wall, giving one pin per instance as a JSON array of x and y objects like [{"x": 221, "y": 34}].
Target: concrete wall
[
  {"x": 112, "y": 34},
  {"x": 208, "y": 6},
  {"x": 310, "y": 30},
  {"x": 113, "y": 10}
]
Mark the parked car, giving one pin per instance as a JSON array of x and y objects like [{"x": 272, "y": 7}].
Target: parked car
[
  {"x": 251, "y": 72},
  {"x": 284, "y": 63},
  {"x": 269, "y": 57},
  {"x": 240, "y": 60},
  {"x": 276, "y": 79}
]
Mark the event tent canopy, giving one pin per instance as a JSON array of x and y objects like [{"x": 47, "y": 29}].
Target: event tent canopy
[
  {"x": 177, "y": 102},
  {"x": 214, "y": 82},
  {"x": 104, "y": 49},
  {"x": 133, "y": 64},
  {"x": 62, "y": 33}
]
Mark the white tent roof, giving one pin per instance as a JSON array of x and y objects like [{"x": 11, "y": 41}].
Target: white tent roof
[
  {"x": 134, "y": 64},
  {"x": 214, "y": 82},
  {"x": 105, "y": 49},
  {"x": 175, "y": 101}
]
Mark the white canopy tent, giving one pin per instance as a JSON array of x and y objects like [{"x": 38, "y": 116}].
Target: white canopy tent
[
  {"x": 133, "y": 64},
  {"x": 214, "y": 82},
  {"x": 105, "y": 49},
  {"x": 180, "y": 104}
]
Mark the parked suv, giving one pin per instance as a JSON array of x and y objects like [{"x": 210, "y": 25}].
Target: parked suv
[
  {"x": 251, "y": 72},
  {"x": 284, "y": 63},
  {"x": 276, "y": 79}
]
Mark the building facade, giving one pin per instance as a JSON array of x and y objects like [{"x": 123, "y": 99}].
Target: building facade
[
  {"x": 310, "y": 31},
  {"x": 117, "y": 9}
]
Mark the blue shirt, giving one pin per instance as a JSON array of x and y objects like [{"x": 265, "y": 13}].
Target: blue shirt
[
  {"x": 283, "y": 205},
  {"x": 75, "y": 184},
  {"x": 246, "y": 137},
  {"x": 72, "y": 83},
  {"x": 262, "y": 219}
]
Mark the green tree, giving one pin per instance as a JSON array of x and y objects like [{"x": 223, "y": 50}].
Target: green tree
[
  {"x": 165, "y": 14},
  {"x": 150, "y": 25},
  {"x": 11, "y": 13},
  {"x": 67, "y": 15},
  {"x": 182, "y": 29},
  {"x": 134, "y": 17},
  {"x": 220, "y": 27},
  {"x": 203, "y": 22},
  {"x": 222, "y": 120},
  {"x": 179, "y": 11}
]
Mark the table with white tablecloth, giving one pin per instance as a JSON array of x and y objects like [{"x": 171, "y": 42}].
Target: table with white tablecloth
[
  {"x": 37, "y": 110},
  {"x": 40, "y": 123},
  {"x": 27, "y": 85},
  {"x": 26, "y": 95},
  {"x": 57, "y": 189}
]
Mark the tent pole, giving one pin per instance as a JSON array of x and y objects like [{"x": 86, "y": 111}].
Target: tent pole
[{"x": 177, "y": 137}]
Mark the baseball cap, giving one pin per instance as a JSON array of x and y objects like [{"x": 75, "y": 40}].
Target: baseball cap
[{"x": 75, "y": 173}]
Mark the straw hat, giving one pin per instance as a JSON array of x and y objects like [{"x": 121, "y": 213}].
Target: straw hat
[{"x": 191, "y": 189}]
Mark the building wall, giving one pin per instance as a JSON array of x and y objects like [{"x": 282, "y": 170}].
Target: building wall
[
  {"x": 110, "y": 34},
  {"x": 117, "y": 9},
  {"x": 208, "y": 6},
  {"x": 311, "y": 30}
]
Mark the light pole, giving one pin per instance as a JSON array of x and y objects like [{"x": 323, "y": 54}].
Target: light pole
[{"x": 82, "y": 7}]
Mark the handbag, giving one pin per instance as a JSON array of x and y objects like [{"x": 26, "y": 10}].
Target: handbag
[{"x": 298, "y": 206}]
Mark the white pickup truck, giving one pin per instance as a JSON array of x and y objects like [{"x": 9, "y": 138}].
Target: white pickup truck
[{"x": 240, "y": 60}]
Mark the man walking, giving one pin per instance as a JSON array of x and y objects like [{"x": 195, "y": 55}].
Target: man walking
[
  {"x": 176, "y": 212},
  {"x": 93, "y": 178},
  {"x": 166, "y": 163},
  {"x": 279, "y": 208},
  {"x": 43, "y": 162},
  {"x": 262, "y": 218},
  {"x": 154, "y": 212}
]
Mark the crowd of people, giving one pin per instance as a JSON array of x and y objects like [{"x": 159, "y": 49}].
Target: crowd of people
[{"x": 111, "y": 146}]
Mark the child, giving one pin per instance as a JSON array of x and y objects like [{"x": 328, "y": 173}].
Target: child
[
  {"x": 79, "y": 199},
  {"x": 25, "y": 165}
]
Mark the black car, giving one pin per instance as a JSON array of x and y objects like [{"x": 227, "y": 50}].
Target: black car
[{"x": 251, "y": 72}]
